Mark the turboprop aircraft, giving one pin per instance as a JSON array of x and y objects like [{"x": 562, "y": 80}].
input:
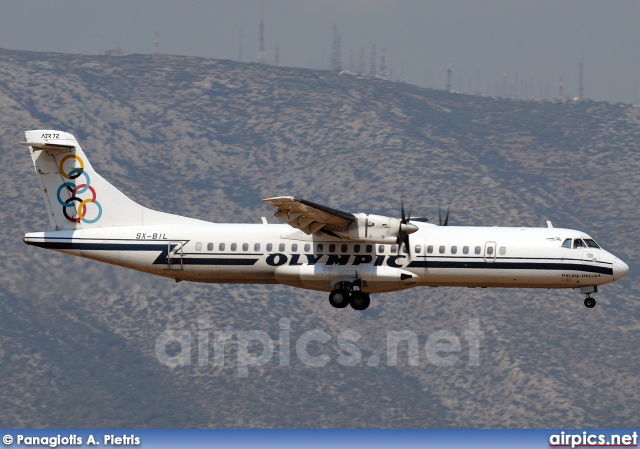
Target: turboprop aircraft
[{"x": 318, "y": 248}]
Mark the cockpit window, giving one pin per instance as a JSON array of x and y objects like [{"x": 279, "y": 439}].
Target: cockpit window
[
  {"x": 578, "y": 243},
  {"x": 591, "y": 243},
  {"x": 566, "y": 243}
]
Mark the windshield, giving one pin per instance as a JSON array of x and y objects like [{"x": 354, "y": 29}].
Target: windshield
[
  {"x": 591, "y": 243},
  {"x": 580, "y": 243}
]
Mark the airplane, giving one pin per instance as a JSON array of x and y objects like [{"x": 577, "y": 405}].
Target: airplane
[{"x": 349, "y": 255}]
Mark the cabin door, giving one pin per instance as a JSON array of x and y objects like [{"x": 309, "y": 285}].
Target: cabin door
[
  {"x": 174, "y": 255},
  {"x": 490, "y": 252}
]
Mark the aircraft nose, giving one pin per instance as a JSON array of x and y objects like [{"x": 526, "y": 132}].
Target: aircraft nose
[{"x": 620, "y": 269}]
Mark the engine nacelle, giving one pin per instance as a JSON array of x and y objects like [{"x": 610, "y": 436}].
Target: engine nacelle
[{"x": 376, "y": 229}]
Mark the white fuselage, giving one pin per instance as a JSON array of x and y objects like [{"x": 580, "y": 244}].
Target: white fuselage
[{"x": 276, "y": 253}]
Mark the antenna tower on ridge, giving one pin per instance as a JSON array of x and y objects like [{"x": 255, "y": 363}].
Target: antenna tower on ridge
[
  {"x": 261, "y": 56},
  {"x": 372, "y": 67},
  {"x": 156, "y": 45},
  {"x": 336, "y": 59},
  {"x": 384, "y": 69},
  {"x": 581, "y": 86}
]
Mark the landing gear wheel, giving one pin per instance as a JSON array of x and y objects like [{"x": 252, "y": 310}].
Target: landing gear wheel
[
  {"x": 339, "y": 298},
  {"x": 360, "y": 301},
  {"x": 589, "y": 302}
]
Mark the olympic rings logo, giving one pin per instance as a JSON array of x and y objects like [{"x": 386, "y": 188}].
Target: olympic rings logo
[{"x": 74, "y": 190}]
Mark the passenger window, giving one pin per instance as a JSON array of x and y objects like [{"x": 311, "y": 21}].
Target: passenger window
[
  {"x": 281, "y": 247},
  {"x": 441, "y": 249},
  {"x": 503, "y": 250},
  {"x": 307, "y": 248},
  {"x": 418, "y": 249},
  {"x": 368, "y": 248},
  {"x": 319, "y": 248},
  {"x": 256, "y": 247},
  {"x": 356, "y": 248},
  {"x": 234, "y": 247},
  {"x": 404, "y": 248},
  {"x": 209, "y": 246},
  {"x": 478, "y": 250},
  {"x": 198, "y": 246},
  {"x": 332, "y": 248},
  {"x": 294, "y": 247},
  {"x": 454, "y": 250},
  {"x": 381, "y": 249},
  {"x": 489, "y": 250},
  {"x": 566, "y": 243},
  {"x": 429, "y": 249},
  {"x": 269, "y": 247},
  {"x": 245, "y": 247},
  {"x": 394, "y": 248},
  {"x": 577, "y": 243},
  {"x": 221, "y": 247},
  {"x": 465, "y": 250},
  {"x": 343, "y": 248}
]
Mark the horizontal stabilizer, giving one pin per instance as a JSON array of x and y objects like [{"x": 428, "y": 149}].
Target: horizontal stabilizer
[{"x": 47, "y": 146}]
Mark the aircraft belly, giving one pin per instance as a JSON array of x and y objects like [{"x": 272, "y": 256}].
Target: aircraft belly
[
  {"x": 225, "y": 274},
  {"x": 320, "y": 277}
]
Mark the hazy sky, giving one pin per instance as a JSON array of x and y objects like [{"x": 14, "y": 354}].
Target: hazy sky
[{"x": 520, "y": 48}]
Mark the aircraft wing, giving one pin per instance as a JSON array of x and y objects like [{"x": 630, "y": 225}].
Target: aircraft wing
[{"x": 310, "y": 217}]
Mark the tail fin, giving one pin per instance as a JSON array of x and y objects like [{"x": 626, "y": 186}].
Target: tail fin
[{"x": 75, "y": 195}]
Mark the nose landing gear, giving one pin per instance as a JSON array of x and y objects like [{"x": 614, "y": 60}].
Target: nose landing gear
[
  {"x": 589, "y": 302},
  {"x": 348, "y": 293}
]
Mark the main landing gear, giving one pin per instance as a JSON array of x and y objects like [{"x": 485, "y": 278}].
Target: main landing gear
[{"x": 348, "y": 294}]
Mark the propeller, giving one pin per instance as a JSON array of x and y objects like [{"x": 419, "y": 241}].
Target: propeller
[
  {"x": 406, "y": 228},
  {"x": 446, "y": 217}
]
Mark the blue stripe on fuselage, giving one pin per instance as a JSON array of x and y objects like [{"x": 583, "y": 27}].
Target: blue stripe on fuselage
[{"x": 163, "y": 247}]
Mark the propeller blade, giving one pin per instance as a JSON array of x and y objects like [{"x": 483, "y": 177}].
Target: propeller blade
[
  {"x": 446, "y": 217},
  {"x": 403, "y": 219},
  {"x": 406, "y": 228}
]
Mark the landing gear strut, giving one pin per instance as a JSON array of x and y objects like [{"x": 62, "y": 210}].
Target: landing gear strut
[{"x": 347, "y": 293}]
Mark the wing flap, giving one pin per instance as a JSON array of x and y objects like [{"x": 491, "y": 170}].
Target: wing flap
[{"x": 309, "y": 217}]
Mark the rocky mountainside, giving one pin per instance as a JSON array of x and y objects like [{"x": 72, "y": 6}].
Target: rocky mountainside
[{"x": 210, "y": 138}]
